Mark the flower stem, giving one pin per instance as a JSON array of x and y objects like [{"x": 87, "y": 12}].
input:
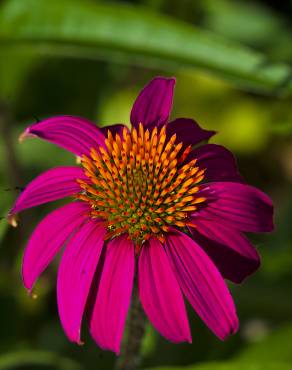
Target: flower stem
[{"x": 130, "y": 356}]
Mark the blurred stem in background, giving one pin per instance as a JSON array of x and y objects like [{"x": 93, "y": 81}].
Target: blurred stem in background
[
  {"x": 13, "y": 167},
  {"x": 130, "y": 357}
]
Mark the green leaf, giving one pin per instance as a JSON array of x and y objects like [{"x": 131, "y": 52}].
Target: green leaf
[
  {"x": 36, "y": 360},
  {"x": 134, "y": 35},
  {"x": 243, "y": 21},
  {"x": 276, "y": 346},
  {"x": 13, "y": 73},
  {"x": 231, "y": 366}
]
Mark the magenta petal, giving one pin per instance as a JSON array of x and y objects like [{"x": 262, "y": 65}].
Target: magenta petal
[
  {"x": 233, "y": 254},
  {"x": 108, "y": 315},
  {"x": 75, "y": 134},
  {"x": 160, "y": 293},
  {"x": 188, "y": 131},
  {"x": 239, "y": 206},
  {"x": 153, "y": 105},
  {"x": 75, "y": 275},
  {"x": 53, "y": 184},
  {"x": 202, "y": 284},
  {"x": 48, "y": 237},
  {"x": 218, "y": 162}
]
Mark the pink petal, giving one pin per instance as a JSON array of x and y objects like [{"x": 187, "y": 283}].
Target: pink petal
[
  {"x": 160, "y": 293},
  {"x": 75, "y": 134},
  {"x": 153, "y": 105},
  {"x": 188, "y": 131},
  {"x": 235, "y": 257},
  {"x": 202, "y": 284},
  {"x": 75, "y": 275},
  {"x": 108, "y": 315},
  {"x": 239, "y": 206},
  {"x": 53, "y": 184},
  {"x": 218, "y": 162},
  {"x": 48, "y": 237}
]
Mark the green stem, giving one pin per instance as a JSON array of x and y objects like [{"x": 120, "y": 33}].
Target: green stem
[{"x": 130, "y": 357}]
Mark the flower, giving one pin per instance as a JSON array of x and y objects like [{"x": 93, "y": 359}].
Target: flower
[{"x": 150, "y": 203}]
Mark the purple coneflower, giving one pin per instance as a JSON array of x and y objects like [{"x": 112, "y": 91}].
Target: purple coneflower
[{"x": 148, "y": 203}]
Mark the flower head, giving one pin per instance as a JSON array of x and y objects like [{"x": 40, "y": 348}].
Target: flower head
[
  {"x": 148, "y": 202},
  {"x": 140, "y": 184}
]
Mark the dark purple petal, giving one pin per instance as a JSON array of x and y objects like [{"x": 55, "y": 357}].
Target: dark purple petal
[
  {"x": 160, "y": 293},
  {"x": 53, "y": 184},
  {"x": 114, "y": 129},
  {"x": 75, "y": 275},
  {"x": 75, "y": 134},
  {"x": 48, "y": 238},
  {"x": 108, "y": 315},
  {"x": 218, "y": 162},
  {"x": 188, "y": 131},
  {"x": 153, "y": 105},
  {"x": 202, "y": 284},
  {"x": 235, "y": 257},
  {"x": 239, "y": 206}
]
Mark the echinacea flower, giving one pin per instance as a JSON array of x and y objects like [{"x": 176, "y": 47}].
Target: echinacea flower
[{"x": 148, "y": 203}]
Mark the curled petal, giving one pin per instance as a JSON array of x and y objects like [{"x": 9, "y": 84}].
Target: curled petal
[
  {"x": 160, "y": 293},
  {"x": 75, "y": 134},
  {"x": 108, "y": 315},
  {"x": 53, "y": 184},
  {"x": 75, "y": 275},
  {"x": 202, "y": 284},
  {"x": 153, "y": 105},
  {"x": 48, "y": 238},
  {"x": 188, "y": 131},
  {"x": 239, "y": 206},
  {"x": 235, "y": 257},
  {"x": 218, "y": 162}
]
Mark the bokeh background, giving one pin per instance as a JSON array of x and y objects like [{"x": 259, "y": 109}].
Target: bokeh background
[{"x": 232, "y": 61}]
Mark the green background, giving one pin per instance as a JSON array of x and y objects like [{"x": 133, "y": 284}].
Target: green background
[{"x": 232, "y": 61}]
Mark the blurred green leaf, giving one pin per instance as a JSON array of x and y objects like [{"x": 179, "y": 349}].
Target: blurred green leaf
[
  {"x": 250, "y": 22},
  {"x": 282, "y": 128},
  {"x": 36, "y": 360},
  {"x": 243, "y": 21},
  {"x": 12, "y": 73},
  {"x": 122, "y": 33},
  {"x": 232, "y": 366},
  {"x": 275, "y": 347}
]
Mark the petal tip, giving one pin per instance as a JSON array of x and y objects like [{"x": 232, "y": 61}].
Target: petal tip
[
  {"x": 25, "y": 135},
  {"x": 189, "y": 339},
  {"x": 171, "y": 80},
  {"x": 12, "y": 219},
  {"x": 232, "y": 330},
  {"x": 30, "y": 292},
  {"x": 117, "y": 351},
  {"x": 28, "y": 284}
]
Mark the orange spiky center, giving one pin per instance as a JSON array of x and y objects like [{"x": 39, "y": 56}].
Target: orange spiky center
[{"x": 138, "y": 184}]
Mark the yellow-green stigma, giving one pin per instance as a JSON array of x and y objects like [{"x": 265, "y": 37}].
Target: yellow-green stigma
[{"x": 138, "y": 185}]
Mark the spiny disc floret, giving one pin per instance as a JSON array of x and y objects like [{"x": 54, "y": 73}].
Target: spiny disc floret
[{"x": 137, "y": 184}]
